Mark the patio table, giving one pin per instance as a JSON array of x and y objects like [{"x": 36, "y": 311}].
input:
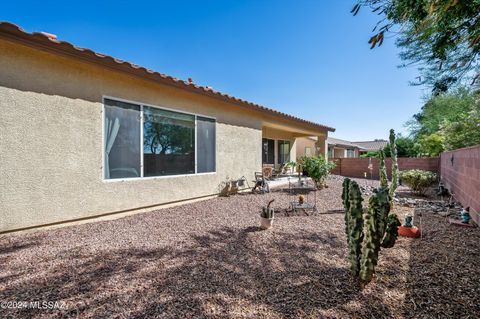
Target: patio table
[{"x": 303, "y": 187}]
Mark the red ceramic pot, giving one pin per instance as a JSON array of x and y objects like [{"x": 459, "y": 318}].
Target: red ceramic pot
[{"x": 412, "y": 232}]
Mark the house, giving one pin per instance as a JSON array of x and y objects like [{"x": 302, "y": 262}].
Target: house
[
  {"x": 86, "y": 135},
  {"x": 338, "y": 148},
  {"x": 371, "y": 146}
]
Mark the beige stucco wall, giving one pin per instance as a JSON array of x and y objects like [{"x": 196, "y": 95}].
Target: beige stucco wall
[
  {"x": 302, "y": 143},
  {"x": 51, "y": 140}
]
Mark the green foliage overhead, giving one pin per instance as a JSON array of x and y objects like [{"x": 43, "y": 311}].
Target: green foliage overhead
[
  {"x": 318, "y": 168},
  {"x": 418, "y": 180},
  {"x": 440, "y": 37}
]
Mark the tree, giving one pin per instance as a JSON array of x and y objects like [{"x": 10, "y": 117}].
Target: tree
[
  {"x": 406, "y": 146},
  {"x": 447, "y": 121},
  {"x": 465, "y": 132},
  {"x": 440, "y": 37},
  {"x": 438, "y": 109},
  {"x": 432, "y": 145}
]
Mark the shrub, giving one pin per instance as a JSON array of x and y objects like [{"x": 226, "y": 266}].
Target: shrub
[
  {"x": 317, "y": 168},
  {"x": 418, "y": 180}
]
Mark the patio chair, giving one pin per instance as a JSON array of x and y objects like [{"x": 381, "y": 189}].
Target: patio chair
[
  {"x": 260, "y": 183},
  {"x": 279, "y": 171},
  {"x": 267, "y": 172}
]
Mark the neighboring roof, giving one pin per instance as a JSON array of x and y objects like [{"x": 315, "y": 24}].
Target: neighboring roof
[
  {"x": 339, "y": 142},
  {"x": 372, "y": 145},
  {"x": 48, "y": 42}
]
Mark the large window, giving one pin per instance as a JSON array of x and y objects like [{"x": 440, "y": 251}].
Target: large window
[
  {"x": 283, "y": 152},
  {"x": 350, "y": 153},
  {"x": 206, "y": 145},
  {"x": 174, "y": 143},
  {"x": 168, "y": 142},
  {"x": 268, "y": 151},
  {"x": 122, "y": 140}
]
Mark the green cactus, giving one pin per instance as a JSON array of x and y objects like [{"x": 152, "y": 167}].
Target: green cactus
[
  {"x": 354, "y": 226},
  {"x": 393, "y": 152},
  {"x": 391, "y": 233},
  {"x": 268, "y": 212},
  {"x": 368, "y": 233},
  {"x": 346, "y": 203},
  {"x": 375, "y": 226},
  {"x": 346, "y": 188},
  {"x": 383, "y": 210},
  {"x": 370, "y": 248},
  {"x": 383, "y": 170}
]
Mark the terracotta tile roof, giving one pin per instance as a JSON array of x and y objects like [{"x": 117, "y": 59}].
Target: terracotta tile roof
[
  {"x": 372, "y": 145},
  {"x": 50, "y": 43}
]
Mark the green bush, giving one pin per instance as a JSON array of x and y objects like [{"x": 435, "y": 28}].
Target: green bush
[
  {"x": 418, "y": 180},
  {"x": 317, "y": 168}
]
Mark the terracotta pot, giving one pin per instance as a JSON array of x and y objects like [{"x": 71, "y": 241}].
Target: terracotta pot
[
  {"x": 266, "y": 223},
  {"x": 412, "y": 232}
]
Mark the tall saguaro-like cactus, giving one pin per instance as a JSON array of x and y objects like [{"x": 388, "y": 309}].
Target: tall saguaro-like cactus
[
  {"x": 393, "y": 154},
  {"x": 353, "y": 223},
  {"x": 368, "y": 232}
]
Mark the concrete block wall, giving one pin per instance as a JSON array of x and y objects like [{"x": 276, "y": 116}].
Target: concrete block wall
[
  {"x": 460, "y": 171},
  {"x": 356, "y": 167}
]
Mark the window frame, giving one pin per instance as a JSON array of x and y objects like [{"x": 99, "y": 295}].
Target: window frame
[
  {"x": 279, "y": 154},
  {"x": 142, "y": 105}
]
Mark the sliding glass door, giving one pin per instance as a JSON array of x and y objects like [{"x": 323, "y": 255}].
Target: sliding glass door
[{"x": 268, "y": 151}]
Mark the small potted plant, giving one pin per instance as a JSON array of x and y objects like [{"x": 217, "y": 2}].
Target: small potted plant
[
  {"x": 301, "y": 199},
  {"x": 407, "y": 229},
  {"x": 266, "y": 217}
]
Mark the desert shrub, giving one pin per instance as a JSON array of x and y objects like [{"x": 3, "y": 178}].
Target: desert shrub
[
  {"x": 317, "y": 168},
  {"x": 418, "y": 180}
]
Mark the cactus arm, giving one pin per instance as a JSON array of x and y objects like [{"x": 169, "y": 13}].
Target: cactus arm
[
  {"x": 346, "y": 205},
  {"x": 383, "y": 170},
  {"x": 391, "y": 233}
]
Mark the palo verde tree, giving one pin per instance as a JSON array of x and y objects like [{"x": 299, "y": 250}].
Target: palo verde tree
[{"x": 440, "y": 37}]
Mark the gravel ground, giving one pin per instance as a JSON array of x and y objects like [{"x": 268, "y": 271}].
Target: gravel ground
[{"x": 209, "y": 259}]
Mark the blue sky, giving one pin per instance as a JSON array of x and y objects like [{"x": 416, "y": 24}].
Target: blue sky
[{"x": 306, "y": 58}]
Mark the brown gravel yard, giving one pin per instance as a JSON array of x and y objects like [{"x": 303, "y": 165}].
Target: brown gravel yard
[{"x": 209, "y": 259}]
